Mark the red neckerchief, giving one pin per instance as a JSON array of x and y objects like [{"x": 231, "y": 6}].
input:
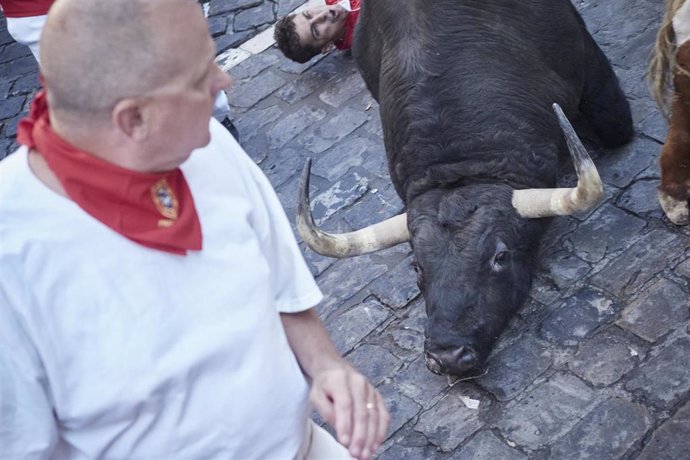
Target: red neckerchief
[
  {"x": 345, "y": 43},
  {"x": 153, "y": 209}
]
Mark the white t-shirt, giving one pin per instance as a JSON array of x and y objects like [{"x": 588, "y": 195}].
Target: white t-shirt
[{"x": 109, "y": 349}]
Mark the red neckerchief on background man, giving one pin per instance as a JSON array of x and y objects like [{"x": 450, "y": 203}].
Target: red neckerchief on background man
[
  {"x": 345, "y": 43},
  {"x": 153, "y": 209}
]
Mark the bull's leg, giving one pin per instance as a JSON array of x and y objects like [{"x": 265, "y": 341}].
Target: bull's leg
[
  {"x": 603, "y": 103},
  {"x": 675, "y": 155}
]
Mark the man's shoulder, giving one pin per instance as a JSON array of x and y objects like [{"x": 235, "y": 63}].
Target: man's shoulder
[{"x": 13, "y": 173}]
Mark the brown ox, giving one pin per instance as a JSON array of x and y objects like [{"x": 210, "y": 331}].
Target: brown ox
[{"x": 670, "y": 70}]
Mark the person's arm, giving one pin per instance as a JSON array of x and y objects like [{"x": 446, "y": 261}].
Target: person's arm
[
  {"x": 28, "y": 429},
  {"x": 343, "y": 396}
]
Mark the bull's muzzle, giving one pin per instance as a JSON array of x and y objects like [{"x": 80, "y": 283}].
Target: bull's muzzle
[{"x": 459, "y": 361}]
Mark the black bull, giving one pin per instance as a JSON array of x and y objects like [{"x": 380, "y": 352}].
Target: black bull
[{"x": 465, "y": 89}]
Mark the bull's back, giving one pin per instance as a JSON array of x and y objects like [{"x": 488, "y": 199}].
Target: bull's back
[{"x": 469, "y": 75}]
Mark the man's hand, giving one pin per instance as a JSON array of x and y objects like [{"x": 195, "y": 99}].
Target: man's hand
[
  {"x": 350, "y": 404},
  {"x": 343, "y": 396}
]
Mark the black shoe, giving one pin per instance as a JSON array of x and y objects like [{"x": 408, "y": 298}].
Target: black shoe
[{"x": 230, "y": 127}]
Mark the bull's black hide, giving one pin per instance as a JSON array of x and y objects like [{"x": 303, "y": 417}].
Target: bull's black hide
[{"x": 465, "y": 89}]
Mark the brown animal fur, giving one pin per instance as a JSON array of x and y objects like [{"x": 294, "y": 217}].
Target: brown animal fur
[
  {"x": 675, "y": 155},
  {"x": 664, "y": 64}
]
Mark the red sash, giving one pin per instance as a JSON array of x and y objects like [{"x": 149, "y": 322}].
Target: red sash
[{"x": 153, "y": 209}]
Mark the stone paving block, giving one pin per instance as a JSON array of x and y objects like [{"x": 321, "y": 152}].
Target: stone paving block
[
  {"x": 374, "y": 207},
  {"x": 662, "y": 307},
  {"x": 227, "y": 6},
  {"x": 515, "y": 367},
  {"x": 594, "y": 238},
  {"x": 336, "y": 161},
  {"x": 620, "y": 167},
  {"x": 217, "y": 25},
  {"x": 640, "y": 262},
  {"x": 350, "y": 327},
  {"x": 665, "y": 378},
  {"x": 298, "y": 89},
  {"x": 286, "y": 167},
  {"x": 295, "y": 68},
  {"x": 286, "y": 129},
  {"x": 342, "y": 88},
  {"x": 651, "y": 122},
  {"x": 316, "y": 262},
  {"x": 14, "y": 51},
  {"x": 485, "y": 445},
  {"x": 11, "y": 125},
  {"x": 326, "y": 135},
  {"x": 230, "y": 40},
  {"x": 255, "y": 65},
  {"x": 547, "y": 412},
  {"x": 249, "y": 92},
  {"x": 397, "y": 287},
  {"x": 405, "y": 337},
  {"x": 544, "y": 290},
  {"x": 342, "y": 194},
  {"x": 399, "y": 452},
  {"x": 401, "y": 408},
  {"x": 287, "y": 6},
  {"x": 605, "y": 358},
  {"x": 27, "y": 84},
  {"x": 375, "y": 362},
  {"x": 557, "y": 229},
  {"x": 346, "y": 279},
  {"x": 640, "y": 198},
  {"x": 607, "y": 432},
  {"x": 671, "y": 440},
  {"x": 18, "y": 67},
  {"x": 579, "y": 315},
  {"x": 249, "y": 124},
  {"x": 449, "y": 423},
  {"x": 564, "y": 268},
  {"x": 420, "y": 384},
  {"x": 5, "y": 84},
  {"x": 683, "y": 269},
  {"x": 600, "y": 17},
  {"x": 251, "y": 18},
  {"x": 11, "y": 107}
]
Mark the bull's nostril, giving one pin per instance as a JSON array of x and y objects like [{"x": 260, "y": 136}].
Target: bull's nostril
[
  {"x": 433, "y": 363},
  {"x": 465, "y": 358}
]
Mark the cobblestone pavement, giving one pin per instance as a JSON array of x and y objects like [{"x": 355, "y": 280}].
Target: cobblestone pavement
[{"x": 596, "y": 365}]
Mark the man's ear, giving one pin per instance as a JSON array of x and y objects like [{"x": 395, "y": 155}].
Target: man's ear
[
  {"x": 129, "y": 115},
  {"x": 327, "y": 48}
]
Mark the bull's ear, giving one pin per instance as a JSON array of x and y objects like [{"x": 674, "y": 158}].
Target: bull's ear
[{"x": 327, "y": 48}]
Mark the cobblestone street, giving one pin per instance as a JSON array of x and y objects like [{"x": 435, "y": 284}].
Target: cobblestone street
[{"x": 596, "y": 365}]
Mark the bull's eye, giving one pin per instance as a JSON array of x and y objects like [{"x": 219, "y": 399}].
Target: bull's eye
[
  {"x": 499, "y": 260},
  {"x": 418, "y": 271}
]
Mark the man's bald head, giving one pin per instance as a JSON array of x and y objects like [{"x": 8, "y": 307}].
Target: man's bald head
[{"x": 94, "y": 53}]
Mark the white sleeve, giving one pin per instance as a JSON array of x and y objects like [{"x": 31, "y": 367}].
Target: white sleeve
[
  {"x": 28, "y": 428},
  {"x": 293, "y": 285}
]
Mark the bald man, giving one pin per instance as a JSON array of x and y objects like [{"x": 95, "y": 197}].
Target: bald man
[{"x": 153, "y": 301}]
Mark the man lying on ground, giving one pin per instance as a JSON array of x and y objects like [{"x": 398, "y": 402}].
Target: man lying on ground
[{"x": 302, "y": 36}]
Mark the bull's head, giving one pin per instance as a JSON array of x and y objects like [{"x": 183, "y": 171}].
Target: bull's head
[{"x": 473, "y": 247}]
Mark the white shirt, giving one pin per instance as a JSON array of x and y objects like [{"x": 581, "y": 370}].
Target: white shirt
[{"x": 109, "y": 349}]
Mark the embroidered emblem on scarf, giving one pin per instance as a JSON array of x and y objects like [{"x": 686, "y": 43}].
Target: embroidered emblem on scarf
[{"x": 155, "y": 210}]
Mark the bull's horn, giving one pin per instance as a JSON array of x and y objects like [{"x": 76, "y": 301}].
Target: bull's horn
[
  {"x": 531, "y": 203},
  {"x": 373, "y": 238}
]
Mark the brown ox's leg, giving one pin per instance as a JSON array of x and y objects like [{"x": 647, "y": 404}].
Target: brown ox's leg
[{"x": 675, "y": 155}]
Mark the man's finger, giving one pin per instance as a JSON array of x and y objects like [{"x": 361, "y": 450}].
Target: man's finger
[
  {"x": 383, "y": 420},
  {"x": 342, "y": 404},
  {"x": 360, "y": 390},
  {"x": 323, "y": 405}
]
